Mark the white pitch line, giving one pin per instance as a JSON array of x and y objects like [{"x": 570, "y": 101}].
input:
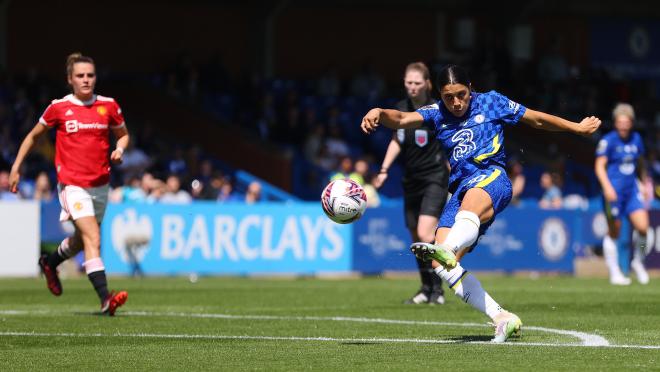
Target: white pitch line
[
  {"x": 319, "y": 339},
  {"x": 586, "y": 339}
]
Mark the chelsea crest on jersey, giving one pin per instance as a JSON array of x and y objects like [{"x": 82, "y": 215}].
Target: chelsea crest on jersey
[{"x": 475, "y": 140}]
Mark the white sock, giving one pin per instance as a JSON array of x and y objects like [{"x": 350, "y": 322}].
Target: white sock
[
  {"x": 611, "y": 256},
  {"x": 640, "y": 247},
  {"x": 468, "y": 288},
  {"x": 464, "y": 232}
]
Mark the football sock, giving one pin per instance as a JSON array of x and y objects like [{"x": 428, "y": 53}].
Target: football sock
[
  {"x": 96, "y": 274},
  {"x": 426, "y": 274},
  {"x": 611, "y": 256},
  {"x": 468, "y": 288},
  {"x": 464, "y": 232},
  {"x": 640, "y": 247},
  {"x": 63, "y": 253}
]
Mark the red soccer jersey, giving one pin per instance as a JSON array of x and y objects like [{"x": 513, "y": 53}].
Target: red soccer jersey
[{"x": 82, "y": 140}]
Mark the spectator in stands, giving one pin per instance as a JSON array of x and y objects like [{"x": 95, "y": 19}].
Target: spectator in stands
[
  {"x": 324, "y": 160},
  {"x": 226, "y": 191},
  {"x": 133, "y": 192},
  {"x": 361, "y": 172},
  {"x": 147, "y": 184},
  {"x": 517, "y": 177},
  {"x": 253, "y": 193},
  {"x": 158, "y": 188},
  {"x": 336, "y": 145},
  {"x": 135, "y": 162},
  {"x": 174, "y": 193},
  {"x": 551, "y": 198},
  {"x": 5, "y": 193},
  {"x": 177, "y": 165},
  {"x": 373, "y": 199},
  {"x": 346, "y": 170},
  {"x": 313, "y": 144},
  {"x": 42, "y": 188}
]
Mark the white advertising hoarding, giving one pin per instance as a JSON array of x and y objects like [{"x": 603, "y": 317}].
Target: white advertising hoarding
[{"x": 19, "y": 231}]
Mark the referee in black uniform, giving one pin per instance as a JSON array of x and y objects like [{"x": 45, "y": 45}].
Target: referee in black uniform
[{"x": 424, "y": 181}]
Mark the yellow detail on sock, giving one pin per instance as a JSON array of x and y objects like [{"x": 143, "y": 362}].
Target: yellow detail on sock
[
  {"x": 490, "y": 179},
  {"x": 458, "y": 282},
  {"x": 496, "y": 148}
]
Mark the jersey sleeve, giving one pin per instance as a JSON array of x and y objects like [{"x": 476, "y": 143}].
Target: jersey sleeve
[
  {"x": 49, "y": 117},
  {"x": 603, "y": 146},
  {"x": 431, "y": 114},
  {"x": 507, "y": 110},
  {"x": 116, "y": 116}
]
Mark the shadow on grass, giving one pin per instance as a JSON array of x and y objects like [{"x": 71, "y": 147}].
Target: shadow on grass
[
  {"x": 95, "y": 313},
  {"x": 463, "y": 339},
  {"x": 356, "y": 343}
]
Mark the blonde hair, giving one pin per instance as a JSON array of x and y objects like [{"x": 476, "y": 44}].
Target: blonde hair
[
  {"x": 624, "y": 109},
  {"x": 74, "y": 58},
  {"x": 422, "y": 69}
]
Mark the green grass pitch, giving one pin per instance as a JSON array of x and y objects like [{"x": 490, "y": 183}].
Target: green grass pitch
[{"x": 311, "y": 324}]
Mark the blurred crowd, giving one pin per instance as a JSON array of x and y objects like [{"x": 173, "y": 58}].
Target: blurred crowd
[{"x": 316, "y": 120}]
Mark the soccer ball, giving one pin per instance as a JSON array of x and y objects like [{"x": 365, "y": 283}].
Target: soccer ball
[{"x": 343, "y": 201}]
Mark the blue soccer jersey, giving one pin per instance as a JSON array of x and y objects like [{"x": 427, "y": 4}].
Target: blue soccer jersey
[
  {"x": 622, "y": 156},
  {"x": 474, "y": 141}
]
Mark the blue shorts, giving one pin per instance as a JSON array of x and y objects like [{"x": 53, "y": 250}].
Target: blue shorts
[
  {"x": 629, "y": 199},
  {"x": 494, "y": 181}
]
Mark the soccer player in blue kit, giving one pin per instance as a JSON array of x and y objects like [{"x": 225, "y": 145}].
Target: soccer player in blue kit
[
  {"x": 470, "y": 127},
  {"x": 619, "y": 157}
]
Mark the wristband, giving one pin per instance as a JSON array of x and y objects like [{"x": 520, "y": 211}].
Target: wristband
[
  {"x": 120, "y": 149},
  {"x": 383, "y": 170}
]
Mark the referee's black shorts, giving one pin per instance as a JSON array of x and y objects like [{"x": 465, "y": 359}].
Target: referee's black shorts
[{"x": 423, "y": 199}]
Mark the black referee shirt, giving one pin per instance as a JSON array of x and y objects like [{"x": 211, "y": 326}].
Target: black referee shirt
[{"x": 422, "y": 155}]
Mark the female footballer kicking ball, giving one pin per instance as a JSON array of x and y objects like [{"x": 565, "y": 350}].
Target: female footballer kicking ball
[
  {"x": 82, "y": 121},
  {"x": 470, "y": 127}
]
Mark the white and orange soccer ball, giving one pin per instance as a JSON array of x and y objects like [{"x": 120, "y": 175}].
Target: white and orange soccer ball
[{"x": 344, "y": 201}]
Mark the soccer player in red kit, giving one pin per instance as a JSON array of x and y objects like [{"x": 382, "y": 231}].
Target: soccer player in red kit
[{"x": 83, "y": 121}]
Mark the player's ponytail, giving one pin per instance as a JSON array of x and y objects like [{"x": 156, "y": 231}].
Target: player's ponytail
[
  {"x": 422, "y": 69},
  {"x": 74, "y": 58},
  {"x": 452, "y": 74}
]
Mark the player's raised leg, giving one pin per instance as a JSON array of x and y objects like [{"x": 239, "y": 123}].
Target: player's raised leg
[
  {"x": 476, "y": 207},
  {"x": 48, "y": 263}
]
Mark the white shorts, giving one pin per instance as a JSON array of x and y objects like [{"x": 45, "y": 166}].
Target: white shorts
[{"x": 80, "y": 202}]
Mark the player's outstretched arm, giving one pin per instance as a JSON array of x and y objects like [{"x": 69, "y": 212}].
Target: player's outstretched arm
[
  {"x": 27, "y": 144},
  {"x": 541, "y": 120},
  {"x": 392, "y": 119}
]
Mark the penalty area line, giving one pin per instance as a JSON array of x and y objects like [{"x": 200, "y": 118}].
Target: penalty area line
[{"x": 298, "y": 338}]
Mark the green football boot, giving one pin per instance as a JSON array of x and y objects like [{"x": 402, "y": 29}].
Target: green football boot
[{"x": 442, "y": 253}]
